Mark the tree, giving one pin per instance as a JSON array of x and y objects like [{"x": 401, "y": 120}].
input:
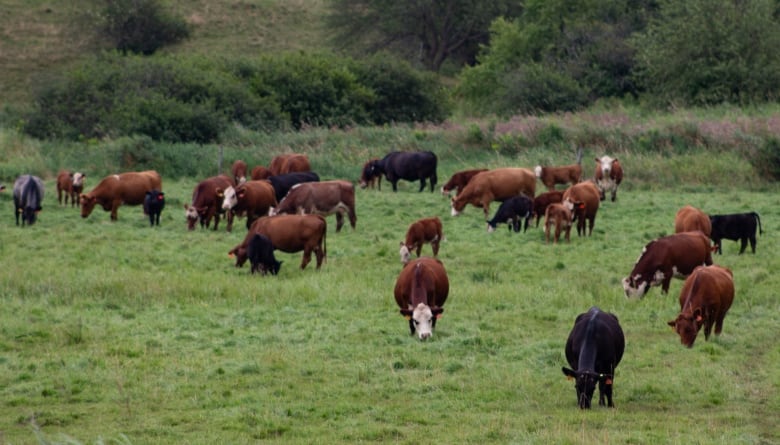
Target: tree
[{"x": 428, "y": 31}]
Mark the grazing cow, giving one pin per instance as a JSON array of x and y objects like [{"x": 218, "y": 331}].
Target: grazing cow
[
  {"x": 28, "y": 198},
  {"x": 494, "y": 185},
  {"x": 323, "y": 198},
  {"x": 736, "y": 226},
  {"x": 459, "y": 180},
  {"x": 375, "y": 179},
  {"x": 608, "y": 176},
  {"x": 207, "y": 197},
  {"x": 690, "y": 218},
  {"x": 71, "y": 185},
  {"x": 583, "y": 201},
  {"x": 420, "y": 292},
  {"x": 260, "y": 251},
  {"x": 666, "y": 257},
  {"x": 260, "y": 172},
  {"x": 289, "y": 163},
  {"x": 543, "y": 200},
  {"x": 252, "y": 198},
  {"x": 284, "y": 182},
  {"x": 125, "y": 188},
  {"x": 426, "y": 230},
  {"x": 705, "y": 298},
  {"x": 558, "y": 216},
  {"x": 239, "y": 171},
  {"x": 594, "y": 349},
  {"x": 409, "y": 166},
  {"x": 289, "y": 233},
  {"x": 511, "y": 212},
  {"x": 154, "y": 202}
]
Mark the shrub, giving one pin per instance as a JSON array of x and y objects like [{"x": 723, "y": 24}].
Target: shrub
[{"x": 141, "y": 26}]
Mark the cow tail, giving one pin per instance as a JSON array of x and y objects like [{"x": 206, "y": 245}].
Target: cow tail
[
  {"x": 760, "y": 231},
  {"x": 579, "y": 155}
]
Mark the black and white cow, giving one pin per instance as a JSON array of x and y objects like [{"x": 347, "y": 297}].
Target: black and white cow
[
  {"x": 736, "y": 226},
  {"x": 511, "y": 212},
  {"x": 409, "y": 166},
  {"x": 260, "y": 252},
  {"x": 154, "y": 202},
  {"x": 28, "y": 198},
  {"x": 593, "y": 350}
]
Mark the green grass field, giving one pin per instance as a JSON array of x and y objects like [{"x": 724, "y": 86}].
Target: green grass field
[{"x": 117, "y": 332}]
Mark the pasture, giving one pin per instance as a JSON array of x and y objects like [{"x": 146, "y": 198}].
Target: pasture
[{"x": 118, "y": 332}]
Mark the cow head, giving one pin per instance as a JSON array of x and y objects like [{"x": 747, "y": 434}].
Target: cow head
[
  {"x": 422, "y": 319},
  {"x": 585, "y": 384},
  {"x": 191, "y": 213},
  {"x": 241, "y": 255},
  {"x": 538, "y": 171},
  {"x": 230, "y": 199},
  {"x": 87, "y": 204},
  {"x": 370, "y": 171},
  {"x": 605, "y": 164},
  {"x": 457, "y": 206},
  {"x": 687, "y": 326},
  {"x": 405, "y": 252},
  {"x": 636, "y": 286},
  {"x": 78, "y": 179}
]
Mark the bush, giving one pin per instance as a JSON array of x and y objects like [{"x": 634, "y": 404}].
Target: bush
[
  {"x": 141, "y": 26},
  {"x": 533, "y": 89}
]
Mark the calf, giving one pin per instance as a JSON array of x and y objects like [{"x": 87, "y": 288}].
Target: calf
[
  {"x": 459, "y": 180},
  {"x": 420, "y": 292},
  {"x": 583, "y": 201},
  {"x": 736, "y": 226},
  {"x": 594, "y": 349},
  {"x": 608, "y": 176},
  {"x": 260, "y": 251},
  {"x": 154, "y": 202},
  {"x": 543, "y": 200},
  {"x": 511, "y": 211},
  {"x": 370, "y": 177},
  {"x": 690, "y": 218},
  {"x": 70, "y": 185},
  {"x": 705, "y": 298},
  {"x": 558, "y": 216},
  {"x": 28, "y": 198},
  {"x": 426, "y": 230}
]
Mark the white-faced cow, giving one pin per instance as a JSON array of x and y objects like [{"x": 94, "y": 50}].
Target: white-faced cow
[
  {"x": 515, "y": 211},
  {"x": 290, "y": 234},
  {"x": 705, "y": 298},
  {"x": 583, "y": 201},
  {"x": 420, "y": 291},
  {"x": 70, "y": 185},
  {"x": 425, "y": 230},
  {"x": 736, "y": 226},
  {"x": 239, "y": 171},
  {"x": 689, "y": 218},
  {"x": 557, "y": 219},
  {"x": 593, "y": 350},
  {"x": 409, "y": 166},
  {"x": 28, "y": 198},
  {"x": 370, "y": 181},
  {"x": 608, "y": 176},
  {"x": 498, "y": 184},
  {"x": 252, "y": 198},
  {"x": 672, "y": 256},
  {"x": 207, "y": 197},
  {"x": 123, "y": 189},
  {"x": 322, "y": 198},
  {"x": 458, "y": 180}
]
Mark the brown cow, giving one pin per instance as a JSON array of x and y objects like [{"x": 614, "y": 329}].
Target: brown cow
[
  {"x": 583, "y": 201},
  {"x": 239, "y": 172},
  {"x": 125, "y": 188},
  {"x": 260, "y": 172},
  {"x": 459, "y": 180},
  {"x": 207, "y": 199},
  {"x": 705, "y": 298},
  {"x": 426, "y": 230},
  {"x": 375, "y": 176},
  {"x": 252, "y": 198},
  {"x": 420, "y": 292},
  {"x": 608, "y": 176},
  {"x": 666, "y": 257},
  {"x": 288, "y": 233},
  {"x": 71, "y": 185},
  {"x": 558, "y": 216},
  {"x": 494, "y": 185},
  {"x": 321, "y": 198},
  {"x": 543, "y": 200},
  {"x": 289, "y": 163},
  {"x": 690, "y": 218},
  {"x": 566, "y": 174}
]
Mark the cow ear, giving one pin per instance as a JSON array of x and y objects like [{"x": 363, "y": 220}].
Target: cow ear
[
  {"x": 672, "y": 323},
  {"x": 406, "y": 313},
  {"x": 697, "y": 315},
  {"x": 569, "y": 373},
  {"x": 437, "y": 311}
]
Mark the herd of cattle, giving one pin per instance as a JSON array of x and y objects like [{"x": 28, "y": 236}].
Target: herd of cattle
[{"x": 285, "y": 206}]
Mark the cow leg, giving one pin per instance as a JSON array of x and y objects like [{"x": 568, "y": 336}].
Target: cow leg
[
  {"x": 422, "y": 184},
  {"x": 435, "y": 246},
  {"x": 592, "y": 223},
  {"x": 230, "y": 217},
  {"x": 395, "y": 185},
  {"x": 567, "y": 232},
  {"x": 320, "y": 255},
  {"x": 666, "y": 282},
  {"x": 114, "y": 208},
  {"x": 306, "y": 257},
  {"x": 339, "y": 221},
  {"x": 411, "y": 326},
  {"x": 743, "y": 244},
  {"x": 419, "y": 249},
  {"x": 753, "y": 243},
  {"x": 352, "y": 218}
]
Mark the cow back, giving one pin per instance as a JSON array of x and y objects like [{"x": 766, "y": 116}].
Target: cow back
[
  {"x": 689, "y": 219},
  {"x": 685, "y": 251},
  {"x": 409, "y": 165},
  {"x": 502, "y": 183},
  {"x": 290, "y": 233},
  {"x": 435, "y": 282}
]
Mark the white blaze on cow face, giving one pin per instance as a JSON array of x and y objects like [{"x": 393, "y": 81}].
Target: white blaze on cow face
[
  {"x": 230, "y": 200},
  {"x": 491, "y": 229},
  {"x": 634, "y": 288},
  {"x": 422, "y": 317},
  {"x": 78, "y": 179},
  {"x": 454, "y": 212},
  {"x": 606, "y": 165},
  {"x": 538, "y": 171},
  {"x": 190, "y": 212},
  {"x": 406, "y": 255}
]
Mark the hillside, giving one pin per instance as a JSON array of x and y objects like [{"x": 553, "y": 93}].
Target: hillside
[{"x": 39, "y": 36}]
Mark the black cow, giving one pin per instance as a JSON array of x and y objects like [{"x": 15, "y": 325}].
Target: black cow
[
  {"x": 512, "y": 210},
  {"x": 409, "y": 166},
  {"x": 28, "y": 198},
  {"x": 154, "y": 202},
  {"x": 593, "y": 350},
  {"x": 283, "y": 183},
  {"x": 260, "y": 252},
  {"x": 736, "y": 226}
]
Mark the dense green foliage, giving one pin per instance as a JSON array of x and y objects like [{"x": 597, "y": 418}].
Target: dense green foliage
[{"x": 141, "y": 26}]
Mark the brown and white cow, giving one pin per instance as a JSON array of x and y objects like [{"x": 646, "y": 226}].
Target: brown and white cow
[
  {"x": 321, "y": 198},
  {"x": 690, "y": 218},
  {"x": 420, "y": 291},
  {"x": 667, "y": 257},
  {"x": 583, "y": 201},
  {"x": 252, "y": 198},
  {"x": 290, "y": 234},
  {"x": 705, "y": 298},
  {"x": 543, "y": 200},
  {"x": 207, "y": 197},
  {"x": 458, "y": 180},
  {"x": 565, "y": 174},
  {"x": 557, "y": 217},
  {"x": 125, "y": 188},
  {"x": 494, "y": 185},
  {"x": 425, "y": 230},
  {"x": 370, "y": 177},
  {"x": 71, "y": 185},
  {"x": 239, "y": 171},
  {"x": 608, "y": 176}
]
